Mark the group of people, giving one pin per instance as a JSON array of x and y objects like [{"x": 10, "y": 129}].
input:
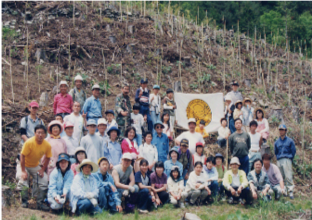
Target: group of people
[{"x": 98, "y": 163}]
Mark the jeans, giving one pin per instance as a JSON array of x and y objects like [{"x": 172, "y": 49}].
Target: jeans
[
  {"x": 244, "y": 161},
  {"x": 102, "y": 199},
  {"x": 245, "y": 194},
  {"x": 232, "y": 125},
  {"x": 144, "y": 199},
  {"x": 285, "y": 166},
  {"x": 222, "y": 142},
  {"x": 183, "y": 175},
  {"x": 138, "y": 139},
  {"x": 252, "y": 157},
  {"x": 163, "y": 196},
  {"x": 85, "y": 206},
  {"x": 214, "y": 187},
  {"x": 154, "y": 117},
  {"x": 144, "y": 110},
  {"x": 221, "y": 189}
]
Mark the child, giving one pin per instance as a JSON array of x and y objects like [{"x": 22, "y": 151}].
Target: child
[
  {"x": 111, "y": 122},
  {"x": 199, "y": 154},
  {"x": 59, "y": 118},
  {"x": 224, "y": 133},
  {"x": 201, "y": 129},
  {"x": 176, "y": 187},
  {"x": 238, "y": 113},
  {"x": 154, "y": 100},
  {"x": 137, "y": 122},
  {"x": 102, "y": 129},
  {"x": 168, "y": 128},
  {"x": 145, "y": 125},
  {"x": 80, "y": 155},
  {"x": 112, "y": 148},
  {"x": 170, "y": 105}
]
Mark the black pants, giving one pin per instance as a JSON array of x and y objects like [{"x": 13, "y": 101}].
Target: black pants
[
  {"x": 245, "y": 194},
  {"x": 163, "y": 196}
]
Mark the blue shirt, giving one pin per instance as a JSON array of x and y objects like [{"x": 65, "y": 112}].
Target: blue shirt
[
  {"x": 169, "y": 164},
  {"x": 140, "y": 179},
  {"x": 212, "y": 173},
  {"x": 113, "y": 152},
  {"x": 285, "y": 148},
  {"x": 59, "y": 184},
  {"x": 92, "y": 107},
  {"x": 162, "y": 145}
]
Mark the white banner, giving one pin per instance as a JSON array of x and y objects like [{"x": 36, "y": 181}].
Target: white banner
[{"x": 207, "y": 107}]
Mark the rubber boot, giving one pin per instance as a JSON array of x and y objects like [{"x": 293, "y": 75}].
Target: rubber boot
[
  {"x": 40, "y": 198},
  {"x": 24, "y": 197}
]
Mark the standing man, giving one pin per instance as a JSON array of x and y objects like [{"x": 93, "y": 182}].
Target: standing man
[
  {"x": 142, "y": 97},
  {"x": 239, "y": 143},
  {"x": 29, "y": 122},
  {"x": 92, "y": 107},
  {"x": 71, "y": 142},
  {"x": 255, "y": 143},
  {"x": 285, "y": 151},
  {"x": 161, "y": 141},
  {"x": 235, "y": 94},
  {"x": 63, "y": 102},
  {"x": 192, "y": 136},
  {"x": 123, "y": 109},
  {"x": 77, "y": 93},
  {"x": 33, "y": 150}
]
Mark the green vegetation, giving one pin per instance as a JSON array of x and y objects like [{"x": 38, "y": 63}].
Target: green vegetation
[{"x": 8, "y": 33}]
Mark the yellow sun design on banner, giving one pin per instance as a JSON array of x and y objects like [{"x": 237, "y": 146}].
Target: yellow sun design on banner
[{"x": 199, "y": 110}]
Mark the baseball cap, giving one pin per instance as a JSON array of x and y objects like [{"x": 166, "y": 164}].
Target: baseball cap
[
  {"x": 184, "y": 142},
  {"x": 34, "y": 104},
  {"x": 282, "y": 127},
  {"x": 102, "y": 121}
]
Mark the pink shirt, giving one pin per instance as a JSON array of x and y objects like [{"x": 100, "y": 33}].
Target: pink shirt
[
  {"x": 57, "y": 146},
  {"x": 62, "y": 104},
  {"x": 73, "y": 168}
]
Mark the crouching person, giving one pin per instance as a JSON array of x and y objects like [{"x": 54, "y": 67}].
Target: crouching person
[
  {"x": 212, "y": 174},
  {"x": 61, "y": 180},
  {"x": 124, "y": 180},
  {"x": 236, "y": 184},
  {"x": 84, "y": 191},
  {"x": 259, "y": 182},
  {"x": 175, "y": 187},
  {"x": 108, "y": 194},
  {"x": 196, "y": 187}
]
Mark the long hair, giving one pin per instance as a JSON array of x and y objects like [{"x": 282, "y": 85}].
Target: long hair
[
  {"x": 162, "y": 118},
  {"x": 175, "y": 169},
  {"x": 128, "y": 130}
]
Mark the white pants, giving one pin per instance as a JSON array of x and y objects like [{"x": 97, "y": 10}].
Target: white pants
[
  {"x": 285, "y": 166},
  {"x": 32, "y": 171}
]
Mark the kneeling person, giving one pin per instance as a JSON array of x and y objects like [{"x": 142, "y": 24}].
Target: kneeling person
[{"x": 61, "y": 180}]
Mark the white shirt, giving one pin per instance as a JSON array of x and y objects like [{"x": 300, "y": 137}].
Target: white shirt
[
  {"x": 77, "y": 121},
  {"x": 194, "y": 179},
  {"x": 254, "y": 141},
  {"x": 174, "y": 187},
  {"x": 138, "y": 121},
  {"x": 166, "y": 130},
  {"x": 223, "y": 132},
  {"x": 155, "y": 103},
  {"x": 148, "y": 152},
  {"x": 193, "y": 138},
  {"x": 236, "y": 182},
  {"x": 71, "y": 143}
]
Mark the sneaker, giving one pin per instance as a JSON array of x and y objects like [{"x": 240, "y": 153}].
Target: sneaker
[
  {"x": 182, "y": 206},
  {"x": 142, "y": 211},
  {"x": 241, "y": 201},
  {"x": 155, "y": 205},
  {"x": 291, "y": 195},
  {"x": 231, "y": 200}
]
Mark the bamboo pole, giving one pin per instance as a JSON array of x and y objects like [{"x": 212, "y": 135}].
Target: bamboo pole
[
  {"x": 27, "y": 64},
  {"x": 303, "y": 127},
  {"x": 120, "y": 12},
  {"x": 169, "y": 12},
  {"x": 74, "y": 13},
  {"x": 289, "y": 95},
  {"x": 12, "y": 76},
  {"x": 180, "y": 66},
  {"x": 144, "y": 7},
  {"x": 106, "y": 83},
  {"x": 69, "y": 59},
  {"x": 38, "y": 69},
  {"x": 160, "y": 66},
  {"x": 239, "y": 50}
]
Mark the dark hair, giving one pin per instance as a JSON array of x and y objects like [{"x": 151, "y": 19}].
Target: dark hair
[
  {"x": 237, "y": 120},
  {"x": 86, "y": 165},
  {"x": 215, "y": 158},
  {"x": 77, "y": 161},
  {"x": 159, "y": 164},
  {"x": 198, "y": 162},
  {"x": 59, "y": 114},
  {"x": 162, "y": 118},
  {"x": 128, "y": 130},
  {"x": 41, "y": 127},
  {"x": 175, "y": 169},
  {"x": 143, "y": 161},
  {"x": 259, "y": 110},
  {"x": 253, "y": 164},
  {"x": 210, "y": 159},
  {"x": 266, "y": 157},
  {"x": 147, "y": 133},
  {"x": 103, "y": 159},
  {"x": 202, "y": 122},
  {"x": 253, "y": 122},
  {"x": 236, "y": 105},
  {"x": 223, "y": 119},
  {"x": 55, "y": 125},
  {"x": 67, "y": 168}
]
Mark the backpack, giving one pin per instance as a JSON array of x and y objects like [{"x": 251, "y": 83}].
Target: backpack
[
  {"x": 84, "y": 94},
  {"x": 26, "y": 121}
]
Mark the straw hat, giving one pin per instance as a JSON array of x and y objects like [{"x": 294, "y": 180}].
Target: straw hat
[
  {"x": 237, "y": 102},
  {"x": 89, "y": 162},
  {"x": 247, "y": 99},
  {"x": 55, "y": 122},
  {"x": 261, "y": 109}
]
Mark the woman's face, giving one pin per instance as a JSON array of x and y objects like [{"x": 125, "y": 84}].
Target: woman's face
[
  {"x": 224, "y": 123},
  {"x": 63, "y": 165},
  {"x": 159, "y": 171},
  {"x": 199, "y": 150},
  {"x": 55, "y": 130},
  {"x": 166, "y": 117},
  {"x": 218, "y": 161},
  {"x": 175, "y": 174},
  {"x": 148, "y": 138},
  {"x": 259, "y": 114},
  {"x": 131, "y": 134},
  {"x": 239, "y": 106},
  {"x": 86, "y": 169},
  {"x": 81, "y": 156},
  {"x": 174, "y": 155},
  {"x": 198, "y": 169},
  {"x": 144, "y": 168}
]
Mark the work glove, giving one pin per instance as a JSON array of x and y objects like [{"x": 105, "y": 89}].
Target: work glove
[
  {"x": 89, "y": 195},
  {"x": 94, "y": 202},
  {"x": 131, "y": 189},
  {"x": 125, "y": 192}
]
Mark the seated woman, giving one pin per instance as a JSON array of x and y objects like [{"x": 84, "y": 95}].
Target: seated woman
[
  {"x": 218, "y": 162},
  {"x": 175, "y": 187},
  {"x": 149, "y": 151},
  {"x": 58, "y": 145},
  {"x": 159, "y": 184},
  {"x": 61, "y": 179},
  {"x": 196, "y": 189},
  {"x": 174, "y": 156},
  {"x": 84, "y": 191},
  {"x": 236, "y": 184},
  {"x": 263, "y": 124},
  {"x": 145, "y": 196},
  {"x": 112, "y": 148},
  {"x": 80, "y": 155}
]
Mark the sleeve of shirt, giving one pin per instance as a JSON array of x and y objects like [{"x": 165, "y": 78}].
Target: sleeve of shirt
[
  {"x": 275, "y": 148},
  {"x": 226, "y": 180},
  {"x": 150, "y": 98},
  {"x": 125, "y": 147},
  {"x": 85, "y": 108},
  {"x": 170, "y": 185},
  {"x": 71, "y": 93},
  {"x": 106, "y": 152},
  {"x": 26, "y": 149},
  {"x": 23, "y": 123},
  {"x": 55, "y": 105},
  {"x": 152, "y": 179},
  {"x": 155, "y": 154},
  {"x": 137, "y": 177},
  {"x": 235, "y": 114},
  {"x": 293, "y": 148},
  {"x": 48, "y": 153},
  {"x": 201, "y": 139},
  {"x": 117, "y": 105}
]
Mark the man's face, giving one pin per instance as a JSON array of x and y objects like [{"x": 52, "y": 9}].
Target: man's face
[
  {"x": 86, "y": 169},
  {"x": 253, "y": 128},
  {"x": 266, "y": 162},
  {"x": 78, "y": 84},
  {"x": 156, "y": 91},
  {"x": 234, "y": 87},
  {"x": 282, "y": 132},
  {"x": 125, "y": 90},
  {"x": 238, "y": 124},
  {"x": 104, "y": 166},
  {"x": 102, "y": 128},
  {"x": 33, "y": 110},
  {"x": 258, "y": 166},
  {"x": 40, "y": 135},
  {"x": 183, "y": 148},
  {"x": 126, "y": 162},
  {"x": 192, "y": 126},
  {"x": 158, "y": 129},
  {"x": 91, "y": 129},
  {"x": 170, "y": 95},
  {"x": 76, "y": 107},
  {"x": 96, "y": 93},
  {"x": 63, "y": 89},
  {"x": 234, "y": 167},
  {"x": 69, "y": 131},
  {"x": 143, "y": 85}
]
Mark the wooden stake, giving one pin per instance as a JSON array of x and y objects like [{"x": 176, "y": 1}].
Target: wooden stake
[
  {"x": 27, "y": 65},
  {"x": 144, "y": 7},
  {"x": 303, "y": 126},
  {"x": 12, "y": 76},
  {"x": 180, "y": 66},
  {"x": 160, "y": 66},
  {"x": 120, "y": 11},
  {"x": 69, "y": 59},
  {"x": 289, "y": 98},
  {"x": 106, "y": 83},
  {"x": 74, "y": 13}
]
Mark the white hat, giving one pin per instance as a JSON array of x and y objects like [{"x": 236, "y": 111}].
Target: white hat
[
  {"x": 95, "y": 86},
  {"x": 79, "y": 149},
  {"x": 127, "y": 156},
  {"x": 85, "y": 162},
  {"x": 63, "y": 82},
  {"x": 227, "y": 98},
  {"x": 78, "y": 77},
  {"x": 191, "y": 120},
  {"x": 235, "y": 160},
  {"x": 102, "y": 121}
]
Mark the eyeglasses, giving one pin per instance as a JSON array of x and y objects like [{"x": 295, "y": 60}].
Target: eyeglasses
[{"x": 157, "y": 127}]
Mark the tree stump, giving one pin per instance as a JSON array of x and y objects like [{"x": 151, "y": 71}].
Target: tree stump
[
  {"x": 247, "y": 83},
  {"x": 177, "y": 86},
  {"x": 295, "y": 113},
  {"x": 44, "y": 99},
  {"x": 112, "y": 39}
]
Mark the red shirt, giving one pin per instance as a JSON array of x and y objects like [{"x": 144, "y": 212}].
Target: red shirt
[
  {"x": 62, "y": 104},
  {"x": 126, "y": 148}
]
